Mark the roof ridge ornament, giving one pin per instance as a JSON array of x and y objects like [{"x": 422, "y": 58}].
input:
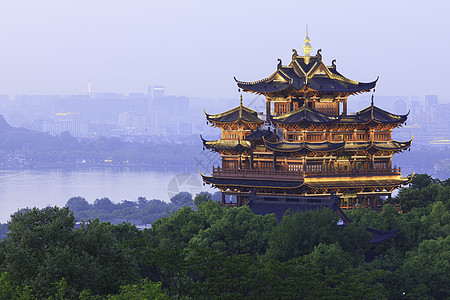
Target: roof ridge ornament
[
  {"x": 294, "y": 54},
  {"x": 333, "y": 64},
  {"x": 279, "y": 63},
  {"x": 319, "y": 54}
]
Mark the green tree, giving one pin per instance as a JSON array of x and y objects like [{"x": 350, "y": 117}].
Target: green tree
[
  {"x": 422, "y": 191},
  {"x": 144, "y": 290},
  {"x": 426, "y": 270},
  {"x": 43, "y": 247},
  {"x": 202, "y": 197},
  {"x": 182, "y": 199},
  {"x": 77, "y": 204},
  {"x": 331, "y": 256},
  {"x": 300, "y": 232},
  {"x": 239, "y": 231},
  {"x": 104, "y": 204}
]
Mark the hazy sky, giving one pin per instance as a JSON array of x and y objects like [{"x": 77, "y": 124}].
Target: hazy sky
[{"x": 194, "y": 48}]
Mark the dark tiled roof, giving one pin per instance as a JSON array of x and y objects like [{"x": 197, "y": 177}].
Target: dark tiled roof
[
  {"x": 298, "y": 75},
  {"x": 335, "y": 146},
  {"x": 361, "y": 182},
  {"x": 280, "y": 208},
  {"x": 259, "y": 134},
  {"x": 251, "y": 182},
  {"x": 392, "y": 145},
  {"x": 240, "y": 113},
  {"x": 381, "y": 236},
  {"x": 326, "y": 85},
  {"x": 378, "y": 115},
  {"x": 305, "y": 114},
  {"x": 309, "y": 146},
  {"x": 308, "y": 115},
  {"x": 378, "y": 145},
  {"x": 235, "y": 145}
]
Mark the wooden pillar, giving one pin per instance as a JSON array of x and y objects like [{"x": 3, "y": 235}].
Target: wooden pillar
[
  {"x": 268, "y": 108},
  {"x": 251, "y": 160},
  {"x": 345, "y": 106},
  {"x": 223, "y": 198},
  {"x": 240, "y": 161},
  {"x": 274, "y": 161}
]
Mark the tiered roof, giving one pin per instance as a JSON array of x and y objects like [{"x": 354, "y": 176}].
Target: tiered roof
[
  {"x": 308, "y": 146},
  {"x": 239, "y": 114},
  {"x": 378, "y": 115},
  {"x": 372, "y": 113},
  {"x": 259, "y": 134},
  {"x": 305, "y": 74},
  {"x": 312, "y": 181},
  {"x": 336, "y": 146},
  {"x": 238, "y": 146},
  {"x": 304, "y": 115}
]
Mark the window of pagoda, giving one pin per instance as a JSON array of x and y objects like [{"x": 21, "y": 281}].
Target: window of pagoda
[
  {"x": 282, "y": 108},
  {"x": 382, "y": 135},
  {"x": 328, "y": 108},
  {"x": 315, "y": 137},
  {"x": 362, "y": 136},
  {"x": 235, "y": 134}
]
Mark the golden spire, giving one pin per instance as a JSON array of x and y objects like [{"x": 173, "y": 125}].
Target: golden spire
[{"x": 307, "y": 47}]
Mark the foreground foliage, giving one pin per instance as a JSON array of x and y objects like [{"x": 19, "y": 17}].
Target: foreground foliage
[{"x": 215, "y": 252}]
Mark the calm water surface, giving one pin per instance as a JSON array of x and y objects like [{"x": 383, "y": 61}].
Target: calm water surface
[{"x": 39, "y": 188}]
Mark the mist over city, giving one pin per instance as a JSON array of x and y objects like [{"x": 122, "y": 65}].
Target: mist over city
[{"x": 181, "y": 149}]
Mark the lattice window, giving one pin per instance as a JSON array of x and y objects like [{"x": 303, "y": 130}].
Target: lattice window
[
  {"x": 338, "y": 137},
  {"x": 313, "y": 137},
  {"x": 383, "y": 136},
  {"x": 314, "y": 168},
  {"x": 360, "y": 136},
  {"x": 295, "y": 167}
]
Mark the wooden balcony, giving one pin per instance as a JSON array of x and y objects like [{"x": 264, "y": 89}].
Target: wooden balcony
[
  {"x": 389, "y": 171},
  {"x": 298, "y": 175},
  {"x": 256, "y": 173}
]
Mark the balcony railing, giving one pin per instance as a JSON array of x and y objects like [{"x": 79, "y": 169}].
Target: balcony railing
[
  {"x": 394, "y": 171},
  {"x": 258, "y": 173}
]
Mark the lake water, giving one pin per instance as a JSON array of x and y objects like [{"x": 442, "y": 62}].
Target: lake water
[{"x": 40, "y": 188}]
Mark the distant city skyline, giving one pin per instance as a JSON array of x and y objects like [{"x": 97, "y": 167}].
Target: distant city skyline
[{"x": 196, "y": 48}]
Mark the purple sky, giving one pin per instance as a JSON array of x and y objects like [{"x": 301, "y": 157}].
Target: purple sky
[{"x": 195, "y": 48}]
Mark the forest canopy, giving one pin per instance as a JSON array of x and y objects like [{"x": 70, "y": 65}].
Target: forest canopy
[{"x": 207, "y": 251}]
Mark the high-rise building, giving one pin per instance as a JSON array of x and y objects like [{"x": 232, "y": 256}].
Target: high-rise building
[
  {"x": 400, "y": 107},
  {"x": 158, "y": 92},
  {"x": 430, "y": 101}
]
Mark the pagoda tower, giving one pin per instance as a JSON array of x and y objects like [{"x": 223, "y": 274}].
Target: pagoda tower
[{"x": 308, "y": 145}]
